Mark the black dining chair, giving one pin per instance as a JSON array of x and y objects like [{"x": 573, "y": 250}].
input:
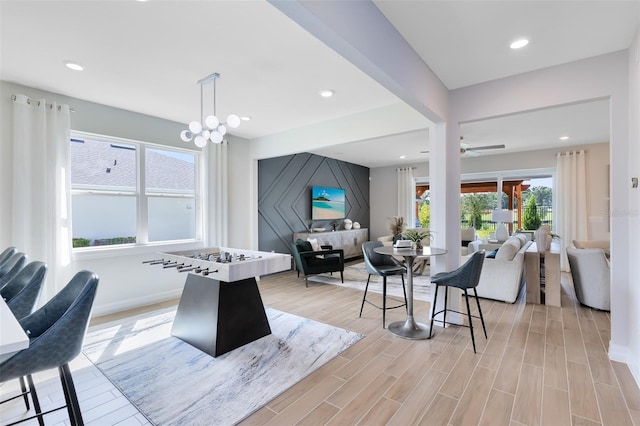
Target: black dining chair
[
  {"x": 22, "y": 292},
  {"x": 56, "y": 332},
  {"x": 384, "y": 266},
  {"x": 465, "y": 277}
]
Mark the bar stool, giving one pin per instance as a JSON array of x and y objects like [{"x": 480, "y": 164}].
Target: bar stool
[{"x": 465, "y": 277}]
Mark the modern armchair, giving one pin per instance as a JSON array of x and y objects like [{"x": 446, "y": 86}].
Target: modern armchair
[
  {"x": 56, "y": 332},
  {"x": 465, "y": 277},
  {"x": 590, "y": 272},
  {"x": 23, "y": 291},
  {"x": 311, "y": 262},
  {"x": 11, "y": 267},
  {"x": 384, "y": 266}
]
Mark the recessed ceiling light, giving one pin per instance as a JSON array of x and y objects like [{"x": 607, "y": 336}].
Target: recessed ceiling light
[
  {"x": 73, "y": 65},
  {"x": 564, "y": 138},
  {"x": 402, "y": 157},
  {"x": 519, "y": 43},
  {"x": 326, "y": 93},
  {"x": 245, "y": 118}
]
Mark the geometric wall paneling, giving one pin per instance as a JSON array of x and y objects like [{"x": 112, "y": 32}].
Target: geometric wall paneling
[{"x": 284, "y": 195}]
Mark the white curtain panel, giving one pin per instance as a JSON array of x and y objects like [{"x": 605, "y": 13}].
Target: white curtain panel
[
  {"x": 41, "y": 208},
  {"x": 406, "y": 197},
  {"x": 218, "y": 194},
  {"x": 571, "y": 200}
]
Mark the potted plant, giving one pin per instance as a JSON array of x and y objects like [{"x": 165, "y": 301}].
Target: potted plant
[
  {"x": 417, "y": 236},
  {"x": 334, "y": 225},
  {"x": 396, "y": 225}
]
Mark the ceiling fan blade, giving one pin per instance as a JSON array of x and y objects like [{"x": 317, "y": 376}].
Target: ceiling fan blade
[{"x": 479, "y": 148}]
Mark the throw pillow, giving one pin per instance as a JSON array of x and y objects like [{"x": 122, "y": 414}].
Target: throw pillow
[
  {"x": 522, "y": 238},
  {"x": 515, "y": 241},
  {"x": 492, "y": 255},
  {"x": 314, "y": 244},
  {"x": 507, "y": 251}
]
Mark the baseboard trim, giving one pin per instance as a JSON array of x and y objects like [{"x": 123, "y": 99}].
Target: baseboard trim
[
  {"x": 111, "y": 308},
  {"x": 621, "y": 353}
]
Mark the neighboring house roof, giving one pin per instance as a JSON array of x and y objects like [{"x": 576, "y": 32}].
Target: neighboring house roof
[{"x": 113, "y": 165}]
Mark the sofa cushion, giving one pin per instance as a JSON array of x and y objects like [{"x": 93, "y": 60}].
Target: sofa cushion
[{"x": 508, "y": 250}]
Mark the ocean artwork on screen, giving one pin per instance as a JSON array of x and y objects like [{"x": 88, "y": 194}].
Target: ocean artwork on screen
[{"x": 327, "y": 203}]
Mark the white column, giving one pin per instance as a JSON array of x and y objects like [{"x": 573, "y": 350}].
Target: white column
[{"x": 444, "y": 188}]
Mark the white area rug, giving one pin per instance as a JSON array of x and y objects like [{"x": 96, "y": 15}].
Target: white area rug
[
  {"x": 355, "y": 276},
  {"x": 173, "y": 383}
]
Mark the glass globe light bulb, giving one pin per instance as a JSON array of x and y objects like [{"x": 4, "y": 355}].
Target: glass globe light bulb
[
  {"x": 205, "y": 134},
  {"x": 211, "y": 121},
  {"x": 186, "y": 135},
  {"x": 200, "y": 142},
  {"x": 216, "y": 137},
  {"x": 233, "y": 121},
  {"x": 222, "y": 129},
  {"x": 195, "y": 127}
]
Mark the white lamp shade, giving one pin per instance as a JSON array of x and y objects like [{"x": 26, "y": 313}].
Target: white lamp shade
[
  {"x": 195, "y": 127},
  {"x": 502, "y": 216},
  {"x": 200, "y": 142},
  {"x": 186, "y": 135},
  {"x": 222, "y": 130},
  {"x": 212, "y": 122},
  {"x": 216, "y": 137},
  {"x": 233, "y": 121}
]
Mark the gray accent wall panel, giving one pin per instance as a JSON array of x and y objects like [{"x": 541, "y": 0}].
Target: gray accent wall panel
[{"x": 284, "y": 195}]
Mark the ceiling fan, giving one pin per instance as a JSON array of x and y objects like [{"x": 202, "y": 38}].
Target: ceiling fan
[{"x": 471, "y": 151}]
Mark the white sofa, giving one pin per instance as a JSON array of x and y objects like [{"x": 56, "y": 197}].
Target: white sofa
[{"x": 502, "y": 277}]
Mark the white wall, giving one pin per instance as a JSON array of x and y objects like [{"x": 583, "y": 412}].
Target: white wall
[{"x": 628, "y": 345}]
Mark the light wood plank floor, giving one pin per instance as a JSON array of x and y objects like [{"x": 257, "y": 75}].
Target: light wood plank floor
[{"x": 540, "y": 366}]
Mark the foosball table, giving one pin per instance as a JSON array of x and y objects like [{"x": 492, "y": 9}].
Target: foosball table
[{"x": 220, "y": 308}]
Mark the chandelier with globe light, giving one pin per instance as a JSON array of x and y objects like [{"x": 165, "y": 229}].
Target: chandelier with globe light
[{"x": 209, "y": 128}]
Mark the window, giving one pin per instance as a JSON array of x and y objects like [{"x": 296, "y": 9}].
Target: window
[{"x": 127, "y": 192}]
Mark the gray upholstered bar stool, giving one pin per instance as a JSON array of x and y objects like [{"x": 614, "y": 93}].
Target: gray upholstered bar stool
[{"x": 384, "y": 266}]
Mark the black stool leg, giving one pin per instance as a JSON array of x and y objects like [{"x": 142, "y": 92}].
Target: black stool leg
[
  {"x": 384, "y": 300},
  {"x": 404, "y": 290},
  {"x": 446, "y": 303},
  {"x": 480, "y": 312},
  {"x": 36, "y": 401},
  {"x": 364, "y": 297},
  {"x": 473, "y": 340},
  {"x": 433, "y": 310},
  {"x": 73, "y": 407},
  {"x": 25, "y": 394}
]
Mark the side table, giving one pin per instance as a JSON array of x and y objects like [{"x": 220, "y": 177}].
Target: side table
[{"x": 551, "y": 260}]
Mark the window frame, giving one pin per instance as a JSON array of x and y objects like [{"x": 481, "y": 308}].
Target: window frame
[{"x": 142, "y": 196}]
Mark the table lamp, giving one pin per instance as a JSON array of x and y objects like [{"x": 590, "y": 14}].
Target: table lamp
[{"x": 501, "y": 217}]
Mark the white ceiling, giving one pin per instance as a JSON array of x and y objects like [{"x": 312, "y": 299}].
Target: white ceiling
[{"x": 147, "y": 56}]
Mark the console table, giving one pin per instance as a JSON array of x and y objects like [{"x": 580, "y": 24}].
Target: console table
[
  {"x": 350, "y": 241},
  {"x": 551, "y": 261}
]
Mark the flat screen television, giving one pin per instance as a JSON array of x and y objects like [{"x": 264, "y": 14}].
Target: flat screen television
[{"x": 327, "y": 203}]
